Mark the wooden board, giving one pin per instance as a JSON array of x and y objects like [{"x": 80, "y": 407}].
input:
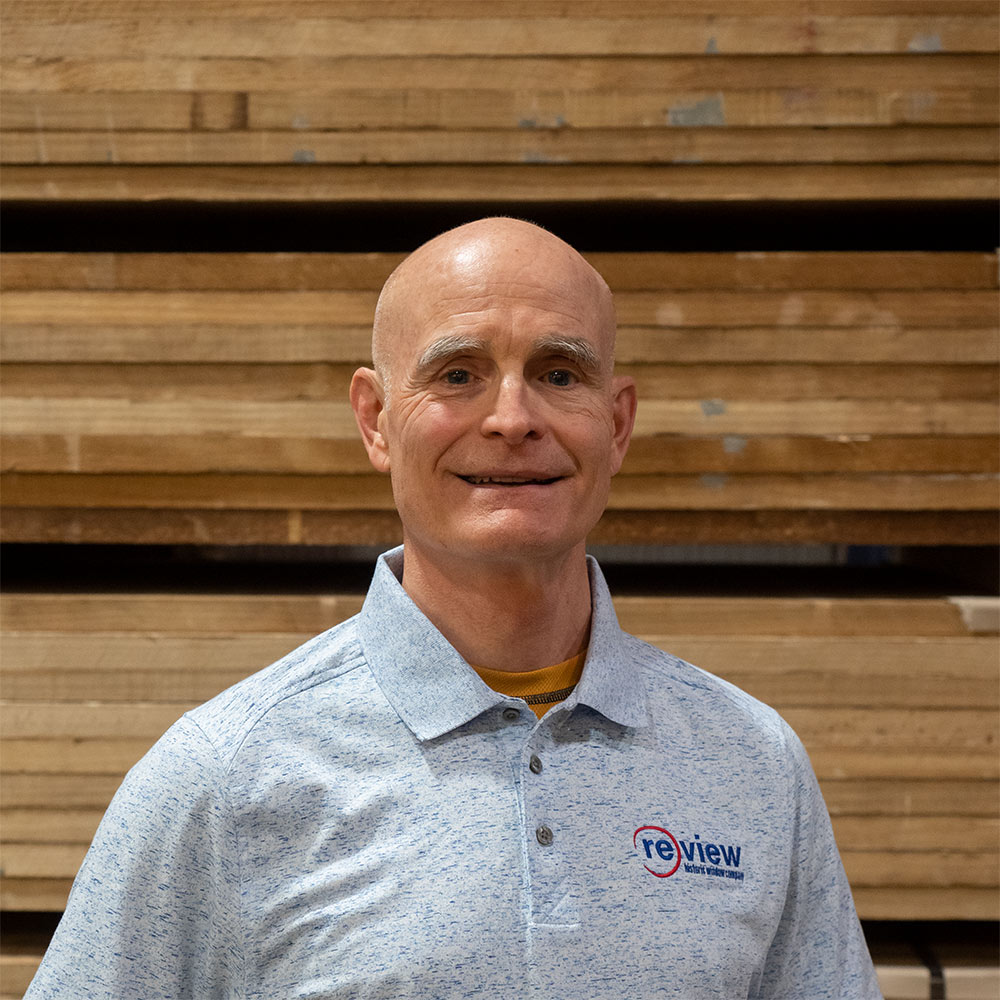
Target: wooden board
[
  {"x": 794, "y": 671},
  {"x": 415, "y": 107},
  {"x": 226, "y": 614},
  {"x": 168, "y": 526},
  {"x": 897, "y": 144},
  {"x": 623, "y": 270},
  {"x": 522, "y": 184},
  {"x": 326, "y": 34},
  {"x": 296, "y": 73}
]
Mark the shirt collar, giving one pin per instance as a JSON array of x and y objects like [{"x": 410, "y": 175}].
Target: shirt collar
[{"x": 434, "y": 690}]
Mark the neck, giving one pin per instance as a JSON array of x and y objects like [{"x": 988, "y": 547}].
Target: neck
[{"x": 511, "y": 616}]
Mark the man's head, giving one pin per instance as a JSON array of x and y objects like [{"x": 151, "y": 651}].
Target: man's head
[{"x": 492, "y": 404}]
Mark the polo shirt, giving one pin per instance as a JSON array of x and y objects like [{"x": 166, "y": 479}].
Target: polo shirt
[{"x": 367, "y": 818}]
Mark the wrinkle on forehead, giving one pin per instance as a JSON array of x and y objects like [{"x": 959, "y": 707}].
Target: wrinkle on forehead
[{"x": 490, "y": 251}]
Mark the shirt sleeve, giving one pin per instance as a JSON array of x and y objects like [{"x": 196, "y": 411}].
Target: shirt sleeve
[
  {"x": 819, "y": 950},
  {"x": 154, "y": 910}
]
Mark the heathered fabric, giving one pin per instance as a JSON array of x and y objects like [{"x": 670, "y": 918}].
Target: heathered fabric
[{"x": 360, "y": 820}]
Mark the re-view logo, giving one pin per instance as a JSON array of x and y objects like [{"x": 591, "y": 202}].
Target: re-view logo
[{"x": 666, "y": 853}]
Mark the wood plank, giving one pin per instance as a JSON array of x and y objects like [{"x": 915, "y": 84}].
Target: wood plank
[
  {"x": 320, "y": 419},
  {"x": 626, "y": 527},
  {"x": 922, "y": 730},
  {"x": 901, "y": 797},
  {"x": 330, "y": 35},
  {"x": 851, "y": 764},
  {"x": 372, "y": 492},
  {"x": 915, "y": 834},
  {"x": 844, "y": 105},
  {"x": 113, "y": 757},
  {"x": 159, "y": 343},
  {"x": 334, "y": 308},
  {"x": 520, "y": 183},
  {"x": 72, "y": 791},
  {"x": 55, "y": 11},
  {"x": 949, "y": 731},
  {"x": 782, "y": 672},
  {"x": 17, "y": 971},
  {"x": 934, "y": 869},
  {"x": 72, "y": 756},
  {"x": 866, "y": 343},
  {"x": 42, "y": 894},
  {"x": 680, "y": 308},
  {"x": 790, "y": 382},
  {"x": 915, "y": 903},
  {"x": 703, "y": 455},
  {"x": 225, "y": 614},
  {"x": 59, "y": 825},
  {"x": 624, "y": 271},
  {"x": 895, "y": 144},
  {"x": 382, "y": 528},
  {"x": 328, "y": 381},
  {"x": 414, "y": 107},
  {"x": 155, "y": 343},
  {"x": 618, "y": 73}
]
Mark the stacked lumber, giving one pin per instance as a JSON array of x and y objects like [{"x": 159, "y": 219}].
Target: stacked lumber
[
  {"x": 895, "y": 699},
  {"x": 732, "y": 100},
  {"x": 202, "y": 398}
]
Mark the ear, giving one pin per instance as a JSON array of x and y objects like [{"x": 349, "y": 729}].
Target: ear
[
  {"x": 624, "y": 405},
  {"x": 368, "y": 403}
]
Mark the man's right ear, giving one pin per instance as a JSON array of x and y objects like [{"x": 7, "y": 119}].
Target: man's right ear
[{"x": 367, "y": 401}]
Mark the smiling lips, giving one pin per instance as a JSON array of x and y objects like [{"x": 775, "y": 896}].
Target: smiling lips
[{"x": 509, "y": 480}]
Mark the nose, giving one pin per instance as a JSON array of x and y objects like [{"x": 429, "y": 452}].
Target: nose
[{"x": 512, "y": 413}]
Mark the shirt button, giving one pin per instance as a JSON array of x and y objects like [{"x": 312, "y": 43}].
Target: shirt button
[
  {"x": 535, "y": 764},
  {"x": 511, "y": 714},
  {"x": 544, "y": 836}
]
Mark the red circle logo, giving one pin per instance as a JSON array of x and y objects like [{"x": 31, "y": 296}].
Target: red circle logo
[{"x": 673, "y": 840}]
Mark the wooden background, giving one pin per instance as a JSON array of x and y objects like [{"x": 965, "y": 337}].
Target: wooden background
[{"x": 841, "y": 395}]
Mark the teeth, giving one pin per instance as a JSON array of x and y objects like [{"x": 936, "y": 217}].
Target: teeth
[{"x": 503, "y": 480}]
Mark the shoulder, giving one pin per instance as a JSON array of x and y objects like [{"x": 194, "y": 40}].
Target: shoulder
[
  {"x": 224, "y": 722},
  {"x": 690, "y": 696}
]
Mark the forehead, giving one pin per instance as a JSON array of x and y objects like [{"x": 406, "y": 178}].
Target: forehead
[{"x": 514, "y": 295}]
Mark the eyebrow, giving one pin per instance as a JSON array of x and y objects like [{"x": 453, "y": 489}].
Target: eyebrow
[
  {"x": 576, "y": 350},
  {"x": 447, "y": 347}
]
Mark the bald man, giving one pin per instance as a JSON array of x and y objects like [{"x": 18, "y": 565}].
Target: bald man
[{"x": 479, "y": 786}]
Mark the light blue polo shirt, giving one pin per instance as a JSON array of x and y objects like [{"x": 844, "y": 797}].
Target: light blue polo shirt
[{"x": 366, "y": 818}]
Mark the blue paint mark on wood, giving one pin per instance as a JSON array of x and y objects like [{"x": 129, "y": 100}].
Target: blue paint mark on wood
[{"x": 709, "y": 112}]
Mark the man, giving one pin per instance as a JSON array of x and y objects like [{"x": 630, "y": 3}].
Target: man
[{"x": 479, "y": 786}]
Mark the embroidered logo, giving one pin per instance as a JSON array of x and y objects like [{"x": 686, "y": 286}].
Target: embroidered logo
[{"x": 662, "y": 854}]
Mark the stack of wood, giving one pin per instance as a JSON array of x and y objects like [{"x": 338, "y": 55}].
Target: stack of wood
[
  {"x": 576, "y": 100},
  {"x": 896, "y": 700},
  {"x": 825, "y": 397},
  {"x": 784, "y": 397}
]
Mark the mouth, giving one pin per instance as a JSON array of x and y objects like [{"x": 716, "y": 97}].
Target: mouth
[{"x": 509, "y": 480}]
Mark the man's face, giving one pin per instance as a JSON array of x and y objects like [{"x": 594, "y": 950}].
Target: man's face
[{"x": 503, "y": 424}]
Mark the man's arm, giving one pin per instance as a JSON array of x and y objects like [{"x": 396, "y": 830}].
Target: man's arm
[
  {"x": 819, "y": 949},
  {"x": 154, "y": 910}
]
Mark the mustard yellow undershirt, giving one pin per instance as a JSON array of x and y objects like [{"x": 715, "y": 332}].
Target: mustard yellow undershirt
[{"x": 541, "y": 689}]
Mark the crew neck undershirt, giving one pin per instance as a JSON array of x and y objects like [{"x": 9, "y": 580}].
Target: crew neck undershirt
[{"x": 542, "y": 688}]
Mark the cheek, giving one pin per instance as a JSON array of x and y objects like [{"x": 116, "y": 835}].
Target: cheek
[{"x": 424, "y": 429}]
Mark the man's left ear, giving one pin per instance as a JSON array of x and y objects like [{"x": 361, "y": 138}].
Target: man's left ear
[
  {"x": 369, "y": 406},
  {"x": 624, "y": 406}
]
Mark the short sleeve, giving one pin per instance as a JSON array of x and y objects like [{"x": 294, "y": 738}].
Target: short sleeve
[
  {"x": 819, "y": 950},
  {"x": 154, "y": 910}
]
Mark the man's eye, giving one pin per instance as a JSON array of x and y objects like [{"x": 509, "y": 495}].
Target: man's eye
[
  {"x": 457, "y": 376},
  {"x": 560, "y": 377}
]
